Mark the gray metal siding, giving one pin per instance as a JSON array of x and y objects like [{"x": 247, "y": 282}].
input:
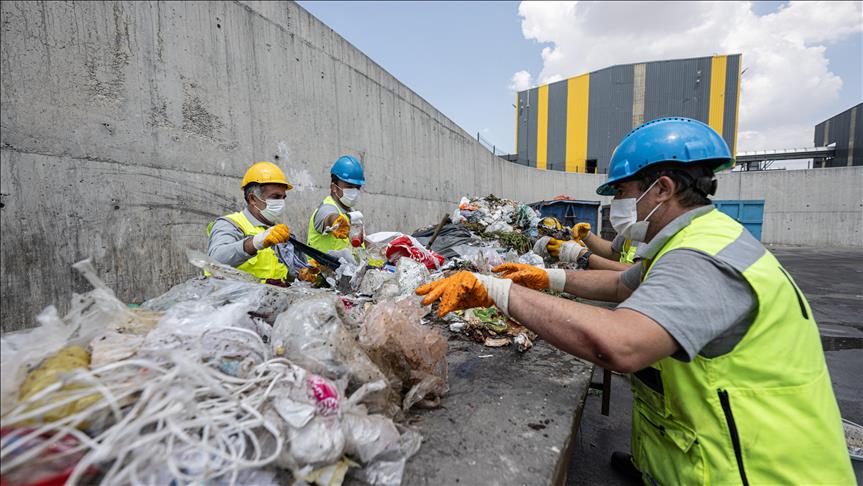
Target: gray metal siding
[
  {"x": 522, "y": 127},
  {"x": 858, "y": 136},
  {"x": 609, "y": 112},
  {"x": 557, "y": 95},
  {"x": 840, "y": 126},
  {"x": 678, "y": 88},
  {"x": 732, "y": 68}
]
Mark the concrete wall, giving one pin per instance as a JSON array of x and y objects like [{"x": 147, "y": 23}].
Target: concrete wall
[
  {"x": 126, "y": 127},
  {"x": 815, "y": 207}
]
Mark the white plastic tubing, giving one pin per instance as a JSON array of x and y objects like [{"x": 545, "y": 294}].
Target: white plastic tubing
[{"x": 162, "y": 412}]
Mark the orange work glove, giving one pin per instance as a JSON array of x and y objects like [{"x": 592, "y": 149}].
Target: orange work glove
[
  {"x": 532, "y": 277},
  {"x": 466, "y": 290},
  {"x": 273, "y": 236},
  {"x": 340, "y": 227},
  {"x": 580, "y": 231}
]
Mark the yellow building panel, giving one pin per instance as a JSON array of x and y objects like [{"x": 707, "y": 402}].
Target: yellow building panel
[
  {"x": 542, "y": 129},
  {"x": 577, "y": 99},
  {"x": 737, "y": 108},
  {"x": 717, "y": 93}
]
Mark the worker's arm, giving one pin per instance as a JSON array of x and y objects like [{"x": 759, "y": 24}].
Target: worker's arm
[
  {"x": 599, "y": 263},
  {"x": 600, "y": 247},
  {"x": 605, "y": 285},
  {"x": 228, "y": 245},
  {"x": 621, "y": 340}
]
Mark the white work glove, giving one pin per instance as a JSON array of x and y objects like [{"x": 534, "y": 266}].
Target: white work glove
[
  {"x": 570, "y": 251},
  {"x": 497, "y": 289},
  {"x": 541, "y": 246}
]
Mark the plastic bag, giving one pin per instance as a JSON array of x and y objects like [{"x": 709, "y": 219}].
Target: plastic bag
[
  {"x": 498, "y": 227},
  {"x": 412, "y": 356},
  {"x": 531, "y": 258},
  {"x": 484, "y": 258},
  {"x": 408, "y": 246},
  {"x": 387, "y": 469},
  {"x": 311, "y": 334},
  {"x": 217, "y": 334},
  {"x": 264, "y": 301},
  {"x": 216, "y": 269}
]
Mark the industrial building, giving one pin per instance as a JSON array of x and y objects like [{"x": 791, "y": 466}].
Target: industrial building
[
  {"x": 846, "y": 131},
  {"x": 574, "y": 125}
]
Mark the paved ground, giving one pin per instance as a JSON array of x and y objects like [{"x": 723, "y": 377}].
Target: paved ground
[{"x": 832, "y": 280}]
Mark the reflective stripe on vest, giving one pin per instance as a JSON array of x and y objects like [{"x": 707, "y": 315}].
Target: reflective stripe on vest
[
  {"x": 265, "y": 264},
  {"x": 765, "y": 412},
  {"x": 326, "y": 242},
  {"x": 627, "y": 253}
]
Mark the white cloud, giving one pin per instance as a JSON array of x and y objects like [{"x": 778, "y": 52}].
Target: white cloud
[
  {"x": 521, "y": 81},
  {"x": 787, "y": 84}
]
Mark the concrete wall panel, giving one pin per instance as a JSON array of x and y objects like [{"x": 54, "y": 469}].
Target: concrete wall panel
[
  {"x": 815, "y": 207},
  {"x": 126, "y": 128}
]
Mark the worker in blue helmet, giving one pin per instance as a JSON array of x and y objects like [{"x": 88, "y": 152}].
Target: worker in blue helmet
[
  {"x": 728, "y": 372},
  {"x": 330, "y": 222}
]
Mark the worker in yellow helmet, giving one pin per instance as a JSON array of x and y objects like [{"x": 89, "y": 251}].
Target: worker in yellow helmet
[{"x": 254, "y": 240}]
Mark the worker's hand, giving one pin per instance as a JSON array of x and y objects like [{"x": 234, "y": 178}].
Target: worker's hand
[
  {"x": 309, "y": 274},
  {"x": 553, "y": 246},
  {"x": 340, "y": 227},
  {"x": 466, "y": 290},
  {"x": 273, "y": 236},
  {"x": 580, "y": 231},
  {"x": 570, "y": 251},
  {"x": 532, "y": 277}
]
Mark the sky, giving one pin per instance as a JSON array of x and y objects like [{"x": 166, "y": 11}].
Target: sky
[{"x": 803, "y": 61}]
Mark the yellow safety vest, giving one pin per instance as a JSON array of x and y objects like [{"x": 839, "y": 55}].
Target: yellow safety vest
[
  {"x": 763, "y": 413},
  {"x": 326, "y": 242},
  {"x": 265, "y": 264},
  {"x": 627, "y": 253}
]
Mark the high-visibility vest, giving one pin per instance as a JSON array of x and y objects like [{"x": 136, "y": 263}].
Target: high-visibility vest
[
  {"x": 265, "y": 264},
  {"x": 326, "y": 242},
  {"x": 763, "y": 413},
  {"x": 627, "y": 253}
]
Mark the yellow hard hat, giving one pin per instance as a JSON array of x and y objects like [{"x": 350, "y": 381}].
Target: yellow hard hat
[{"x": 265, "y": 173}]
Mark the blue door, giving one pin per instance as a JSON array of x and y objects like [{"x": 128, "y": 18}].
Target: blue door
[{"x": 748, "y": 213}]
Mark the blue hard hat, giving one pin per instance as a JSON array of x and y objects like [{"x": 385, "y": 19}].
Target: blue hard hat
[
  {"x": 348, "y": 169},
  {"x": 665, "y": 140}
]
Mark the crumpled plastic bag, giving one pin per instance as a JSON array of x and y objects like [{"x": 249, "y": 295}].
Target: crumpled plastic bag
[
  {"x": 90, "y": 314},
  {"x": 484, "y": 258},
  {"x": 312, "y": 334},
  {"x": 264, "y": 301},
  {"x": 408, "y": 246},
  {"x": 219, "y": 334},
  {"x": 412, "y": 356}
]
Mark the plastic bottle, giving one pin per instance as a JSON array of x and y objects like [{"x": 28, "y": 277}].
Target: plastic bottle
[{"x": 357, "y": 229}]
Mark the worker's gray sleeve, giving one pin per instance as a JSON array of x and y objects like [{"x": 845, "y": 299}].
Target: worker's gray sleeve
[
  {"x": 631, "y": 277},
  {"x": 704, "y": 304},
  {"x": 617, "y": 243},
  {"x": 323, "y": 212},
  {"x": 225, "y": 244}
]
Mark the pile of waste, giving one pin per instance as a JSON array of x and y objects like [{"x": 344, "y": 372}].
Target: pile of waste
[
  {"x": 221, "y": 381},
  {"x": 510, "y": 222}
]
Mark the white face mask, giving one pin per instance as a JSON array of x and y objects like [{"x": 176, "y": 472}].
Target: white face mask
[
  {"x": 624, "y": 217},
  {"x": 350, "y": 197},
  {"x": 274, "y": 209}
]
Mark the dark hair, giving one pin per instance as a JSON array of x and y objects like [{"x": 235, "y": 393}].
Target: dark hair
[
  {"x": 250, "y": 189},
  {"x": 334, "y": 179},
  {"x": 695, "y": 182}
]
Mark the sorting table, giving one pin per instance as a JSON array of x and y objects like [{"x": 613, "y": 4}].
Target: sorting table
[{"x": 509, "y": 418}]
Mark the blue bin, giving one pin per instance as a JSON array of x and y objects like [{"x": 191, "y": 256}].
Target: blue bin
[
  {"x": 570, "y": 212},
  {"x": 749, "y": 213}
]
